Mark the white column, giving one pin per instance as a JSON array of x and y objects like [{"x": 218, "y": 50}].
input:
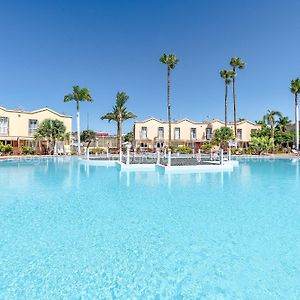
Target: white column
[
  {"x": 211, "y": 155},
  {"x": 221, "y": 157},
  {"x": 127, "y": 154},
  {"x": 87, "y": 153},
  {"x": 165, "y": 153},
  {"x": 199, "y": 154},
  {"x": 169, "y": 157},
  {"x": 229, "y": 153},
  {"x": 158, "y": 157}
]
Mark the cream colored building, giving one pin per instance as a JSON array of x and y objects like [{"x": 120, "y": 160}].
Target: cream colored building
[
  {"x": 17, "y": 127},
  {"x": 153, "y": 133}
]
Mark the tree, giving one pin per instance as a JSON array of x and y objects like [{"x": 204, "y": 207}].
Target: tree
[
  {"x": 270, "y": 119},
  {"x": 283, "y": 123},
  {"x": 88, "y": 136},
  {"x": 78, "y": 95},
  {"x": 171, "y": 61},
  {"x": 222, "y": 136},
  {"x": 236, "y": 63},
  {"x": 51, "y": 131},
  {"x": 227, "y": 75},
  {"x": 261, "y": 144},
  {"x": 129, "y": 137},
  {"x": 119, "y": 114},
  {"x": 295, "y": 89}
]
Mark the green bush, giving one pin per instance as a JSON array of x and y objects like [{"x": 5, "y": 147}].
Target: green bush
[
  {"x": 97, "y": 150},
  {"x": 73, "y": 152},
  {"x": 6, "y": 149},
  {"x": 28, "y": 150},
  {"x": 206, "y": 147},
  {"x": 184, "y": 150}
]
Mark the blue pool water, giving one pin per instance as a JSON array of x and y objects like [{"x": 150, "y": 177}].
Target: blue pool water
[{"x": 72, "y": 231}]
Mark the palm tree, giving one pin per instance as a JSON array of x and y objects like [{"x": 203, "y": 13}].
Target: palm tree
[
  {"x": 222, "y": 136},
  {"x": 171, "y": 61},
  {"x": 236, "y": 63},
  {"x": 295, "y": 89},
  {"x": 119, "y": 114},
  {"x": 270, "y": 119},
  {"x": 51, "y": 131},
  {"x": 78, "y": 95},
  {"x": 283, "y": 123},
  {"x": 227, "y": 75}
]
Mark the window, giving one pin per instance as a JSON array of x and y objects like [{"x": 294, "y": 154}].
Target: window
[
  {"x": 177, "y": 133},
  {"x": 144, "y": 133},
  {"x": 3, "y": 125},
  {"x": 193, "y": 133},
  {"x": 33, "y": 124},
  {"x": 159, "y": 145},
  {"x": 208, "y": 133},
  {"x": 239, "y": 134},
  {"x": 161, "y": 133}
]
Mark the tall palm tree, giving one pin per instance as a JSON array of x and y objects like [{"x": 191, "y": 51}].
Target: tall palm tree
[
  {"x": 236, "y": 63},
  {"x": 119, "y": 114},
  {"x": 227, "y": 75},
  {"x": 171, "y": 61},
  {"x": 270, "y": 119},
  {"x": 78, "y": 95},
  {"x": 295, "y": 89}
]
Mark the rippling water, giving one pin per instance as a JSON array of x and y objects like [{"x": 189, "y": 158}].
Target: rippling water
[{"x": 72, "y": 231}]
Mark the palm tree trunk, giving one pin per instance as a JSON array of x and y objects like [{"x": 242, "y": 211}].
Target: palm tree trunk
[
  {"x": 169, "y": 107},
  {"x": 273, "y": 134},
  {"x": 234, "y": 105},
  {"x": 297, "y": 121},
  {"x": 226, "y": 92},
  {"x": 78, "y": 129},
  {"x": 120, "y": 136}
]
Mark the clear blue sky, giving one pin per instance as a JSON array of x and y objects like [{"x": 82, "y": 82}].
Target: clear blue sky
[{"x": 109, "y": 46}]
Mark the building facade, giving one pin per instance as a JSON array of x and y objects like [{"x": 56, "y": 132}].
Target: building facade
[
  {"x": 153, "y": 133},
  {"x": 17, "y": 127}
]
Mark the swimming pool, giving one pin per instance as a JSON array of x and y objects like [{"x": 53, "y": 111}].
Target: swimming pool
[{"x": 74, "y": 231}]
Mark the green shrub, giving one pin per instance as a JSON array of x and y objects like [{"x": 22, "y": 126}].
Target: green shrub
[
  {"x": 97, "y": 150},
  {"x": 206, "y": 147},
  {"x": 6, "y": 149},
  {"x": 184, "y": 150},
  {"x": 73, "y": 152},
  {"x": 28, "y": 150}
]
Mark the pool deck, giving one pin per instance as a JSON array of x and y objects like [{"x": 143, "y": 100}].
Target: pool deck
[{"x": 227, "y": 166}]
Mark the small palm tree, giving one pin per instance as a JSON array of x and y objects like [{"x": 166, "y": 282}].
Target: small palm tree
[
  {"x": 270, "y": 119},
  {"x": 295, "y": 89},
  {"x": 78, "y": 95},
  {"x": 227, "y": 75},
  {"x": 222, "y": 136},
  {"x": 171, "y": 61},
  {"x": 236, "y": 63},
  {"x": 51, "y": 131},
  {"x": 88, "y": 136},
  {"x": 119, "y": 114},
  {"x": 283, "y": 123}
]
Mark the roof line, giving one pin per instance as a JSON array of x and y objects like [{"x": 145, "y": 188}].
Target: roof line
[{"x": 35, "y": 111}]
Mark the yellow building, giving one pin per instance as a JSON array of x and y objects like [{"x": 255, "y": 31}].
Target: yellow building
[
  {"x": 153, "y": 133},
  {"x": 17, "y": 127}
]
